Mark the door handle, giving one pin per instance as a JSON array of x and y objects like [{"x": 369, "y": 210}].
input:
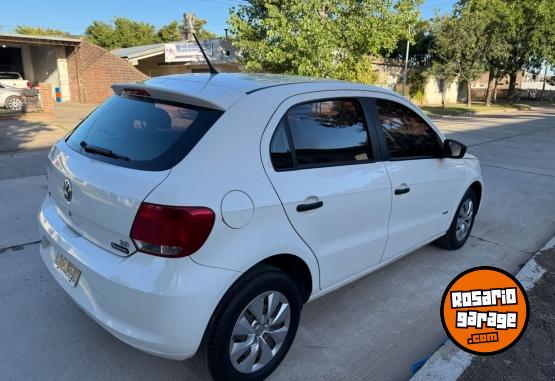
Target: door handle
[
  {"x": 310, "y": 206},
  {"x": 399, "y": 191}
]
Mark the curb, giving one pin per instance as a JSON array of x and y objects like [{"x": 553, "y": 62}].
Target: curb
[{"x": 449, "y": 362}]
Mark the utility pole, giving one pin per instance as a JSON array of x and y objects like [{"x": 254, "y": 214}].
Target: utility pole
[
  {"x": 406, "y": 64},
  {"x": 226, "y": 30}
]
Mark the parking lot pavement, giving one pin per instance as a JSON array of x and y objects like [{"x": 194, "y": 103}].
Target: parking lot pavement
[
  {"x": 375, "y": 328},
  {"x": 28, "y": 133}
]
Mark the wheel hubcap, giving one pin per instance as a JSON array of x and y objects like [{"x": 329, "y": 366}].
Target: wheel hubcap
[
  {"x": 259, "y": 332},
  {"x": 15, "y": 104},
  {"x": 464, "y": 220}
]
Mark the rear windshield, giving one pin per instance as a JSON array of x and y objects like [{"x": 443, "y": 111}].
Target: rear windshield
[{"x": 142, "y": 133}]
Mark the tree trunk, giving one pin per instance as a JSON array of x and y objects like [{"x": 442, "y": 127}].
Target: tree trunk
[
  {"x": 495, "y": 90},
  {"x": 512, "y": 87},
  {"x": 489, "y": 91},
  {"x": 468, "y": 94},
  {"x": 443, "y": 97}
]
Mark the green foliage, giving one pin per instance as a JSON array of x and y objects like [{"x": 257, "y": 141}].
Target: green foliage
[
  {"x": 417, "y": 84},
  {"x": 421, "y": 42},
  {"x": 173, "y": 31},
  {"x": 201, "y": 31},
  {"x": 170, "y": 33},
  {"x": 37, "y": 31},
  {"x": 329, "y": 38},
  {"x": 124, "y": 33}
]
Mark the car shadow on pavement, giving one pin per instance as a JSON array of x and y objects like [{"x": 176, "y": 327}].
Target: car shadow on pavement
[{"x": 23, "y": 133}]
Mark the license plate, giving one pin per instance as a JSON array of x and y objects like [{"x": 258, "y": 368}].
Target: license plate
[{"x": 68, "y": 269}]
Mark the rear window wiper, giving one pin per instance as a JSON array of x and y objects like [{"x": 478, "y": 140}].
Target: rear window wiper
[{"x": 102, "y": 151}]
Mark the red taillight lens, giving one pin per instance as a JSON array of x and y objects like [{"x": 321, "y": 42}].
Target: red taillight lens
[
  {"x": 29, "y": 85},
  {"x": 171, "y": 231}
]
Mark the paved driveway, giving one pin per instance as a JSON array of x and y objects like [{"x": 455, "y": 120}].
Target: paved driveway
[{"x": 375, "y": 328}]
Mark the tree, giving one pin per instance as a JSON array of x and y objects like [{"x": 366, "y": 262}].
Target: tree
[
  {"x": 464, "y": 41},
  {"x": 331, "y": 38},
  {"x": 420, "y": 48},
  {"x": 37, "y": 31},
  {"x": 171, "y": 32},
  {"x": 174, "y": 31},
  {"x": 528, "y": 28},
  {"x": 201, "y": 31},
  {"x": 125, "y": 33},
  {"x": 122, "y": 33}
]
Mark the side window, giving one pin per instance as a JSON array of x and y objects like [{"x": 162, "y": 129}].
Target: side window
[
  {"x": 328, "y": 132},
  {"x": 407, "y": 134},
  {"x": 280, "y": 151}
]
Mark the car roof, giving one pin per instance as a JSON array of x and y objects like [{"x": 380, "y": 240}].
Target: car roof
[{"x": 222, "y": 90}]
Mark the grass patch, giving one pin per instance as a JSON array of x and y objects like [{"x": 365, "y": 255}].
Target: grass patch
[{"x": 476, "y": 108}]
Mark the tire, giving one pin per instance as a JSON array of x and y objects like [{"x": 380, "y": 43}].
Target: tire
[
  {"x": 216, "y": 353},
  {"x": 14, "y": 103},
  {"x": 454, "y": 238}
]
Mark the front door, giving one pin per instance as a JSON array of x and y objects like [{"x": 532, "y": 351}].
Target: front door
[
  {"x": 337, "y": 197},
  {"x": 424, "y": 184}
]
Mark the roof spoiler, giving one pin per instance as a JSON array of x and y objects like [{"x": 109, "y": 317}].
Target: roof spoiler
[{"x": 163, "y": 94}]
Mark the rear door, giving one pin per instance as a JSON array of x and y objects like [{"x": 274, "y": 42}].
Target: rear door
[
  {"x": 424, "y": 184},
  {"x": 321, "y": 159},
  {"x": 101, "y": 173}
]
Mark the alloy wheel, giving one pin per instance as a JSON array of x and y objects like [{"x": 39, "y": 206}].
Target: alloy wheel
[
  {"x": 259, "y": 332},
  {"x": 464, "y": 220},
  {"x": 15, "y": 104}
]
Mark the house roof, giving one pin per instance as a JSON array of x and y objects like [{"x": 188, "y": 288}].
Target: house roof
[
  {"x": 139, "y": 51},
  {"x": 38, "y": 40}
]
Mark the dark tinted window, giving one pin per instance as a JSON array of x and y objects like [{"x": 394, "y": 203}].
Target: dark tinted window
[
  {"x": 280, "y": 150},
  {"x": 329, "y": 132},
  {"x": 153, "y": 135},
  {"x": 406, "y": 133},
  {"x": 9, "y": 76}
]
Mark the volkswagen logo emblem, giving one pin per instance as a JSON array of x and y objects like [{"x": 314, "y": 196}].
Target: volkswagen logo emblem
[{"x": 67, "y": 190}]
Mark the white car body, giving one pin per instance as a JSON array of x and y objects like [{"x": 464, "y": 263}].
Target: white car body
[
  {"x": 9, "y": 92},
  {"x": 14, "y": 79},
  {"x": 162, "y": 306}
]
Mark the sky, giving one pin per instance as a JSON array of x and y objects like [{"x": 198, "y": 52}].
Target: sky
[{"x": 74, "y": 16}]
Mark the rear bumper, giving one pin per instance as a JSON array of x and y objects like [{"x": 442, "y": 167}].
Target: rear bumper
[{"x": 160, "y": 306}]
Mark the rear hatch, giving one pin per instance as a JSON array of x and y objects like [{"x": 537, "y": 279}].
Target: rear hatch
[{"x": 99, "y": 175}]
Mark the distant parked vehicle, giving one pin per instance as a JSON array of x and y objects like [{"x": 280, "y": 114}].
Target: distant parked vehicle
[
  {"x": 14, "y": 79},
  {"x": 12, "y": 98}
]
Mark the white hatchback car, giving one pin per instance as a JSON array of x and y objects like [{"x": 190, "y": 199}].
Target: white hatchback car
[{"x": 198, "y": 213}]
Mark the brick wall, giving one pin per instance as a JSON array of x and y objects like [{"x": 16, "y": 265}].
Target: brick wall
[
  {"x": 47, "y": 101},
  {"x": 93, "y": 70}
]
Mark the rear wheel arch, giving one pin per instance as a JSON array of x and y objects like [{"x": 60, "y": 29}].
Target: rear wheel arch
[
  {"x": 476, "y": 186},
  {"x": 296, "y": 268}
]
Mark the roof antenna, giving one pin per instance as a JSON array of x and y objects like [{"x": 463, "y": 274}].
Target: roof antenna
[{"x": 212, "y": 68}]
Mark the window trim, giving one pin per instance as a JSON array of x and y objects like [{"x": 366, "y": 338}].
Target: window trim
[
  {"x": 373, "y": 148},
  {"x": 383, "y": 143}
]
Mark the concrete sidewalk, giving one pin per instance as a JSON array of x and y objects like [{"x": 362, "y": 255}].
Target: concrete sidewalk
[{"x": 23, "y": 134}]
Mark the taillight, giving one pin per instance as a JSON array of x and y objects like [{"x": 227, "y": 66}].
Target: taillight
[
  {"x": 171, "y": 231},
  {"x": 29, "y": 85}
]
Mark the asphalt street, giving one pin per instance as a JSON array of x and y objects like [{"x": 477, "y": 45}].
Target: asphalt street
[{"x": 375, "y": 328}]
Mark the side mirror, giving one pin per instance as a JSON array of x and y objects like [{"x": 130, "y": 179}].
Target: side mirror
[{"x": 453, "y": 149}]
